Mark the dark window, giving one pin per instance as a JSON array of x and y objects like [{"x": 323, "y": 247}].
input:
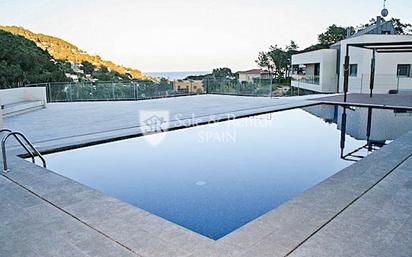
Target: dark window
[
  {"x": 404, "y": 70},
  {"x": 317, "y": 69},
  {"x": 353, "y": 70}
]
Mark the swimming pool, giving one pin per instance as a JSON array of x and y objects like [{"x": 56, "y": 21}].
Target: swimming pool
[{"x": 213, "y": 179}]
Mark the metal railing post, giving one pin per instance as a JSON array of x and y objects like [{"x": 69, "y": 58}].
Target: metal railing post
[
  {"x": 346, "y": 74},
  {"x": 26, "y": 141},
  {"x": 372, "y": 78}
]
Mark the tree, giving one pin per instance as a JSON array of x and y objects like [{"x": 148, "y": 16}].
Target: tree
[
  {"x": 402, "y": 28},
  {"x": 265, "y": 62},
  {"x": 277, "y": 59},
  {"x": 222, "y": 73},
  {"x": 332, "y": 35},
  {"x": 103, "y": 69},
  {"x": 292, "y": 47},
  {"x": 22, "y": 62},
  {"x": 87, "y": 67},
  {"x": 64, "y": 51}
]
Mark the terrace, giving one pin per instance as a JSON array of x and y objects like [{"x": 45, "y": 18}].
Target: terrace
[{"x": 364, "y": 209}]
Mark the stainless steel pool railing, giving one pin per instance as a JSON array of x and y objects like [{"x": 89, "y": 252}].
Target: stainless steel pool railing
[{"x": 24, "y": 142}]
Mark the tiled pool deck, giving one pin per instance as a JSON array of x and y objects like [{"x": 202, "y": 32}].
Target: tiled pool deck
[{"x": 364, "y": 210}]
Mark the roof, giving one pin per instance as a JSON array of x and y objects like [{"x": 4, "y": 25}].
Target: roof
[
  {"x": 253, "y": 71},
  {"x": 385, "y": 27},
  {"x": 381, "y": 27}
]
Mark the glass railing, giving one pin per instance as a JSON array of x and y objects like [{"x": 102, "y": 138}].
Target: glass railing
[
  {"x": 257, "y": 87},
  {"x": 109, "y": 91},
  {"x": 383, "y": 84},
  {"x": 309, "y": 79},
  {"x": 133, "y": 90}
]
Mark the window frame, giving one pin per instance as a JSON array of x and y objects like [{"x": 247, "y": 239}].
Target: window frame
[
  {"x": 408, "y": 75},
  {"x": 350, "y": 70}
]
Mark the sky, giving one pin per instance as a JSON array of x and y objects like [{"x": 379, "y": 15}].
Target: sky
[{"x": 190, "y": 35}]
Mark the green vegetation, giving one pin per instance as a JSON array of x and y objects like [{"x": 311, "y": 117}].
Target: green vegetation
[
  {"x": 102, "y": 73},
  {"x": 277, "y": 59},
  {"x": 22, "y": 62},
  {"x": 65, "y": 52}
]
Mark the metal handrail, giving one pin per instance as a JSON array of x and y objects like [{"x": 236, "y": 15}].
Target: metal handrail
[
  {"x": 21, "y": 143},
  {"x": 15, "y": 134}
]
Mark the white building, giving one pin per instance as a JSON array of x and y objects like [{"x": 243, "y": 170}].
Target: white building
[
  {"x": 322, "y": 70},
  {"x": 252, "y": 75}
]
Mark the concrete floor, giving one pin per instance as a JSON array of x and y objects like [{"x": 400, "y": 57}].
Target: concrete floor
[{"x": 363, "y": 210}]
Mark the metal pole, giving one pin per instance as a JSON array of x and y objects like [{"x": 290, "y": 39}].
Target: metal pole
[
  {"x": 343, "y": 132},
  {"x": 49, "y": 91},
  {"x": 368, "y": 129},
  {"x": 346, "y": 74},
  {"x": 271, "y": 86},
  {"x": 372, "y": 79},
  {"x": 112, "y": 91},
  {"x": 3, "y": 151}
]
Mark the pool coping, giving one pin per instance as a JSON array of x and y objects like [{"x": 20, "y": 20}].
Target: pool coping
[{"x": 276, "y": 233}]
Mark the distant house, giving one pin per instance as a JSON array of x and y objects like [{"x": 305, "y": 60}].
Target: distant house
[
  {"x": 77, "y": 68},
  {"x": 189, "y": 86},
  {"x": 73, "y": 77},
  {"x": 322, "y": 70},
  {"x": 252, "y": 75}
]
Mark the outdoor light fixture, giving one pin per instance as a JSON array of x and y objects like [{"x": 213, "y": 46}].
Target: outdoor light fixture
[{"x": 384, "y": 11}]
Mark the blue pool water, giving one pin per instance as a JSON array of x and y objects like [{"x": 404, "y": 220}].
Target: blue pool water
[{"x": 213, "y": 179}]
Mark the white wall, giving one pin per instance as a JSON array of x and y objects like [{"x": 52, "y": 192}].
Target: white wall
[
  {"x": 15, "y": 95},
  {"x": 328, "y": 77},
  {"x": 386, "y": 65},
  {"x": 248, "y": 77}
]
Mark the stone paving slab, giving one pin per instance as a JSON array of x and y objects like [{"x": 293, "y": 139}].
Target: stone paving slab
[
  {"x": 379, "y": 224},
  {"x": 30, "y": 226}
]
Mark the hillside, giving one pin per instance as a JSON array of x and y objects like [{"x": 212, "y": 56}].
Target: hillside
[
  {"x": 22, "y": 62},
  {"x": 65, "y": 51}
]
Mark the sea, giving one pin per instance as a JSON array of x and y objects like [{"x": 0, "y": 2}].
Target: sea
[{"x": 173, "y": 75}]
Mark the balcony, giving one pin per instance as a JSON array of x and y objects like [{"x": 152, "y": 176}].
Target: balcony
[{"x": 308, "y": 79}]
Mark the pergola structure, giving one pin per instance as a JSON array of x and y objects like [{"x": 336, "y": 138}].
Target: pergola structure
[{"x": 381, "y": 48}]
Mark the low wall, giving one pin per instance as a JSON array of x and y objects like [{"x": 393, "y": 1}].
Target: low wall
[{"x": 15, "y": 95}]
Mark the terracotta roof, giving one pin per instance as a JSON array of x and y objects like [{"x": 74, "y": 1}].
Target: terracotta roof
[{"x": 254, "y": 71}]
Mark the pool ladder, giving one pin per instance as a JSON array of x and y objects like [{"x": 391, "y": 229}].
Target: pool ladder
[{"x": 24, "y": 142}]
